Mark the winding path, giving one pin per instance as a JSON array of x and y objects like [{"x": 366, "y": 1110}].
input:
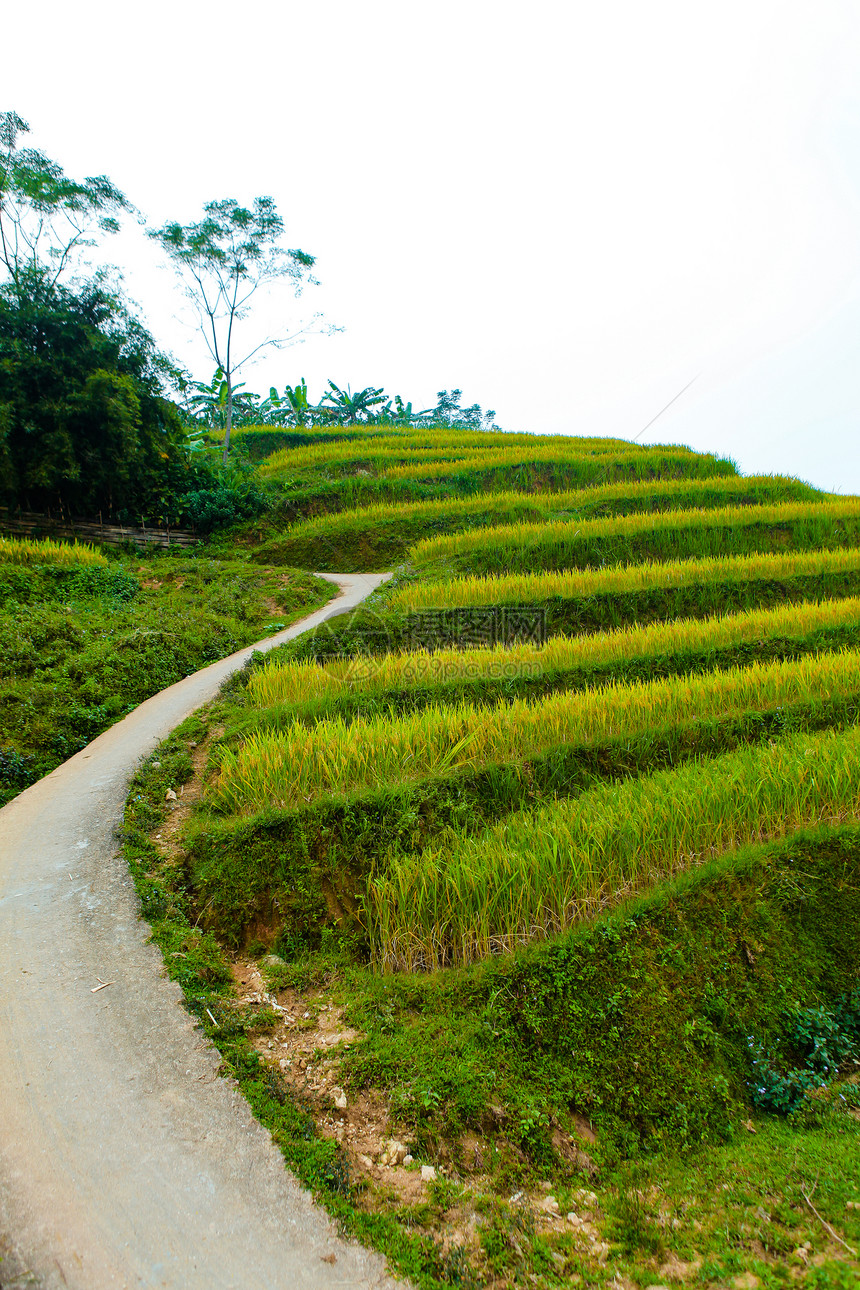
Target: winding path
[{"x": 125, "y": 1161}]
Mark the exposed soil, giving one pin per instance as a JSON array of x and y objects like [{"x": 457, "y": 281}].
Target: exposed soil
[{"x": 305, "y": 1046}]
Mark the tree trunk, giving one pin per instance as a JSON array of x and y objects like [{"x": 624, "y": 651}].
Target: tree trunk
[{"x": 229, "y": 425}]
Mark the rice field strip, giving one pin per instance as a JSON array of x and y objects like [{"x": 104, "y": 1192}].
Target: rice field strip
[
  {"x": 379, "y": 456},
  {"x": 568, "y": 542},
  {"x": 282, "y": 768},
  {"x": 538, "y": 588},
  {"x": 35, "y": 551},
  {"x": 439, "y": 444},
  {"x": 661, "y": 493},
  {"x": 289, "y": 683},
  {"x": 634, "y": 463},
  {"x": 537, "y": 874}
]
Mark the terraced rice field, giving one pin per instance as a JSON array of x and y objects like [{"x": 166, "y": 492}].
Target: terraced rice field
[
  {"x": 680, "y": 646},
  {"x": 372, "y": 467},
  {"x": 296, "y": 764},
  {"x": 561, "y": 830},
  {"x": 541, "y": 872},
  {"x": 696, "y": 687},
  {"x": 627, "y": 539},
  {"x": 379, "y": 536}
]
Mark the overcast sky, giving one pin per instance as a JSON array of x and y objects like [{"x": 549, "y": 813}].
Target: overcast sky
[{"x": 569, "y": 211}]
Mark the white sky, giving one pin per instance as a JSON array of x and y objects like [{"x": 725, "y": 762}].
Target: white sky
[{"x": 567, "y": 210}]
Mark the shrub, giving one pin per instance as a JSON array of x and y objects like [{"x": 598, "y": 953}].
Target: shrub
[{"x": 814, "y": 1043}]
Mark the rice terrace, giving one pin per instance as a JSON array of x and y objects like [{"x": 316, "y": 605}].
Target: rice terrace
[{"x": 522, "y": 901}]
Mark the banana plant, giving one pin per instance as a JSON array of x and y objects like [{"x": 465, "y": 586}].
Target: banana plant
[
  {"x": 353, "y": 407},
  {"x": 209, "y": 402},
  {"x": 404, "y": 414},
  {"x": 297, "y": 398}
]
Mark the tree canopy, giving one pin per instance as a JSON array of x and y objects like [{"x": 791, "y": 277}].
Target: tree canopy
[
  {"x": 84, "y": 425},
  {"x": 47, "y": 219}
]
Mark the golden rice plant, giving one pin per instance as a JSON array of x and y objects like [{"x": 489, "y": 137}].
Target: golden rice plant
[
  {"x": 535, "y": 588},
  {"x": 432, "y": 444},
  {"x": 295, "y": 682},
  {"x": 562, "y": 536},
  {"x": 45, "y": 551},
  {"x": 283, "y": 768},
  {"x": 538, "y": 873},
  {"x": 378, "y": 454},
  {"x": 532, "y": 455}
]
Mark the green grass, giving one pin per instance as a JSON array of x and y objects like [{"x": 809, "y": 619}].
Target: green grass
[
  {"x": 85, "y": 643},
  {"x": 378, "y": 536},
  {"x": 666, "y": 536}
]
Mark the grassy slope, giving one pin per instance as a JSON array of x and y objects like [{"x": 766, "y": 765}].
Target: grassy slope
[
  {"x": 639, "y": 1023},
  {"x": 82, "y": 652}
]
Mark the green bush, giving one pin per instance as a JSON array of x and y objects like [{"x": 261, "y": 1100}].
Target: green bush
[
  {"x": 222, "y": 505},
  {"x": 807, "y": 1055}
]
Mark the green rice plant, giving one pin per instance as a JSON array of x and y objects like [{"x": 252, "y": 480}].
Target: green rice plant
[
  {"x": 378, "y": 536},
  {"x": 538, "y": 588},
  {"x": 538, "y": 873},
  {"x": 580, "y": 544},
  {"x": 282, "y": 768},
  {"x": 37, "y": 551},
  {"x": 290, "y": 683},
  {"x": 591, "y": 465}
]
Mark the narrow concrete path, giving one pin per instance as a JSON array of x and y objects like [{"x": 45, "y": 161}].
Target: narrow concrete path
[{"x": 124, "y": 1159}]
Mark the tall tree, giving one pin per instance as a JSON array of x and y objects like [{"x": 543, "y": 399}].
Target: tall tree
[
  {"x": 46, "y": 218},
  {"x": 223, "y": 260}
]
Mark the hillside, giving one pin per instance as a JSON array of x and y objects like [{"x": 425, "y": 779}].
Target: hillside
[
  {"x": 541, "y": 867},
  {"x": 87, "y": 634}
]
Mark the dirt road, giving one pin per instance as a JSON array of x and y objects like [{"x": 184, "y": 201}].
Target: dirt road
[{"x": 124, "y": 1160}]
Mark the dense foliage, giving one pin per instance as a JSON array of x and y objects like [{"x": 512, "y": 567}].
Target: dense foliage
[
  {"x": 84, "y": 426},
  {"x": 815, "y": 1045},
  {"x": 371, "y": 406}
]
